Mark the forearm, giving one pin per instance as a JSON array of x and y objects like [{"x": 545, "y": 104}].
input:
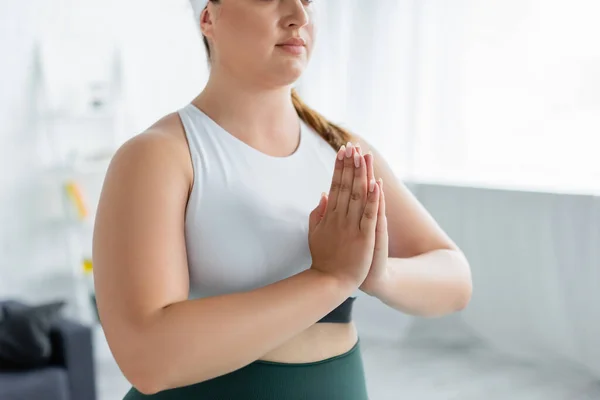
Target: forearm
[
  {"x": 197, "y": 340},
  {"x": 429, "y": 285}
]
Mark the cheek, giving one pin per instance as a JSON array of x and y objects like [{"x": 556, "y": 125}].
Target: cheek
[{"x": 244, "y": 32}]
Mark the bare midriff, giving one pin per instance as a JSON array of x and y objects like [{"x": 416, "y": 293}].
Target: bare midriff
[{"x": 319, "y": 342}]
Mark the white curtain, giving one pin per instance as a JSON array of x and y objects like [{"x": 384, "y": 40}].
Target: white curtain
[
  {"x": 508, "y": 93},
  {"x": 361, "y": 73}
]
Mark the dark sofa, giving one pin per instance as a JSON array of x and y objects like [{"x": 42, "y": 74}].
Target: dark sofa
[{"x": 69, "y": 375}]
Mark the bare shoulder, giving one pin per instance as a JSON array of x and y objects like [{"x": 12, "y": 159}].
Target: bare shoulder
[
  {"x": 164, "y": 139},
  {"x": 160, "y": 150}
]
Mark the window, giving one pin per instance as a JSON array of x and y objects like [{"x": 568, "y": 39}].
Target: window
[{"x": 509, "y": 93}]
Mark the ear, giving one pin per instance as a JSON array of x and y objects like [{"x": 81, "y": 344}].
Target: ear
[{"x": 206, "y": 21}]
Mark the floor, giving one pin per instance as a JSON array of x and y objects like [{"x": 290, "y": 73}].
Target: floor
[
  {"x": 467, "y": 373},
  {"x": 427, "y": 372}
]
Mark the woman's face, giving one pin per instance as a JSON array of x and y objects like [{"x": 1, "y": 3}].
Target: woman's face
[{"x": 267, "y": 42}]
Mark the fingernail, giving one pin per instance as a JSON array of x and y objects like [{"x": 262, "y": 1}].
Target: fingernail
[
  {"x": 356, "y": 160},
  {"x": 348, "y": 150},
  {"x": 372, "y": 185},
  {"x": 341, "y": 152},
  {"x": 381, "y": 182},
  {"x": 358, "y": 149}
]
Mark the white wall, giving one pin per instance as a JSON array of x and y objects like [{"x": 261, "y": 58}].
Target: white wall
[
  {"x": 536, "y": 268},
  {"x": 18, "y": 158},
  {"x": 32, "y": 246}
]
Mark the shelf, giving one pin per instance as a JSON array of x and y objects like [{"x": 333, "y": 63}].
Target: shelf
[{"x": 83, "y": 167}]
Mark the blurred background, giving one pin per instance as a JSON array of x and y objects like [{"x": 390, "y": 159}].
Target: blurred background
[{"x": 488, "y": 109}]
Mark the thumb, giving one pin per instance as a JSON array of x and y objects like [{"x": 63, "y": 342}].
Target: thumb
[{"x": 317, "y": 214}]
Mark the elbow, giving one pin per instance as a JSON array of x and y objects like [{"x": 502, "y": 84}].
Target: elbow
[
  {"x": 139, "y": 364},
  {"x": 458, "y": 288},
  {"x": 146, "y": 384},
  {"x": 136, "y": 348},
  {"x": 464, "y": 287},
  {"x": 146, "y": 387},
  {"x": 463, "y": 296},
  {"x": 151, "y": 381},
  {"x": 151, "y": 372},
  {"x": 456, "y": 298},
  {"x": 144, "y": 378}
]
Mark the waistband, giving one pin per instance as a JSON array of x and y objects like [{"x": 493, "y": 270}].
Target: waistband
[
  {"x": 347, "y": 354},
  {"x": 337, "y": 378}
]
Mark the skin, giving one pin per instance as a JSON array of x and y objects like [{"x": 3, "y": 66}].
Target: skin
[{"x": 140, "y": 263}]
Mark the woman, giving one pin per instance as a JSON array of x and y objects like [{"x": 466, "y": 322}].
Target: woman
[{"x": 218, "y": 276}]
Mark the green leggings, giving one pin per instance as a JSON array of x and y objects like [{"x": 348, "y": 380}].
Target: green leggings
[{"x": 337, "y": 378}]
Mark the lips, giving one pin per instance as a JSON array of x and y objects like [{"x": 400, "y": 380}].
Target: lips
[
  {"x": 295, "y": 46},
  {"x": 296, "y": 41}
]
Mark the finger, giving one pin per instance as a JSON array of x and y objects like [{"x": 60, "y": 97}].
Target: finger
[
  {"x": 369, "y": 217},
  {"x": 381, "y": 198},
  {"x": 323, "y": 208},
  {"x": 317, "y": 214},
  {"x": 347, "y": 178},
  {"x": 358, "y": 149},
  {"x": 358, "y": 197},
  {"x": 336, "y": 180},
  {"x": 369, "y": 159},
  {"x": 381, "y": 215}
]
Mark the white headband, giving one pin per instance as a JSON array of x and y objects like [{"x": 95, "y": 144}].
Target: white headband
[{"x": 198, "y": 6}]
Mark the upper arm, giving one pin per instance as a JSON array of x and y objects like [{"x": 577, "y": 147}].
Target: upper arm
[
  {"x": 140, "y": 262},
  {"x": 411, "y": 229}
]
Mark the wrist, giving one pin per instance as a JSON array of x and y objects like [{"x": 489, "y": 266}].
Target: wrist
[
  {"x": 335, "y": 283},
  {"x": 376, "y": 285}
]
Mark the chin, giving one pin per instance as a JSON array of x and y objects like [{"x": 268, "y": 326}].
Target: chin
[{"x": 287, "y": 73}]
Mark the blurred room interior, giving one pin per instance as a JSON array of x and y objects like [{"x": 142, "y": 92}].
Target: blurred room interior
[{"x": 488, "y": 109}]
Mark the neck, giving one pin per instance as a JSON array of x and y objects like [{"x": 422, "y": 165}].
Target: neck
[{"x": 248, "y": 110}]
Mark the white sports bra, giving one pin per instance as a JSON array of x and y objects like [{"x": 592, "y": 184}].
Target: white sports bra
[{"x": 246, "y": 223}]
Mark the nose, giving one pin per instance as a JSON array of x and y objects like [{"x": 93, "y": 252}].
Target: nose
[{"x": 295, "y": 14}]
